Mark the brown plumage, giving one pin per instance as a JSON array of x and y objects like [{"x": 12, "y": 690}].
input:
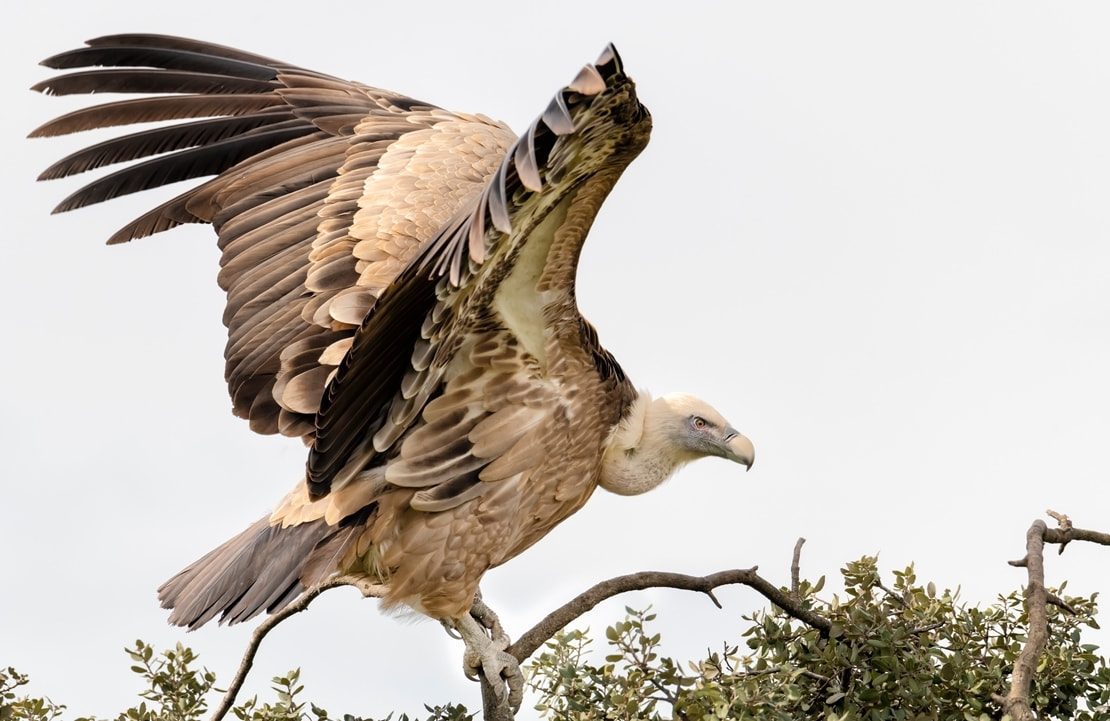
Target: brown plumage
[{"x": 400, "y": 294}]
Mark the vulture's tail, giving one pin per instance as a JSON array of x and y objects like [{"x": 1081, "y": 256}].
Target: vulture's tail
[{"x": 262, "y": 569}]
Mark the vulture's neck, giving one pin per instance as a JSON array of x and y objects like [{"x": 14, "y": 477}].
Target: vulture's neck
[{"x": 642, "y": 453}]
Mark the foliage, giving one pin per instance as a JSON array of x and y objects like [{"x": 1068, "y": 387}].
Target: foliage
[
  {"x": 905, "y": 652},
  {"x": 13, "y": 708},
  {"x": 176, "y": 691}
]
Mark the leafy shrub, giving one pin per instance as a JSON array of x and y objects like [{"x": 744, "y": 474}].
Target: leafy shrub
[{"x": 905, "y": 652}]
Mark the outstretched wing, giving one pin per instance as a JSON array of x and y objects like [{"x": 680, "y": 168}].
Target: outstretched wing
[{"x": 323, "y": 190}]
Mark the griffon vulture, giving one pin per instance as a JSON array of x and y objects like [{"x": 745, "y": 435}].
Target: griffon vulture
[{"x": 400, "y": 295}]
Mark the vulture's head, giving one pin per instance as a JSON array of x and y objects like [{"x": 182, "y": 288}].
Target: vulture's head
[
  {"x": 695, "y": 429},
  {"x": 660, "y": 435}
]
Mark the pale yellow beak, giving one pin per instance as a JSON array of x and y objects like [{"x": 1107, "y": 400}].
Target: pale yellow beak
[{"x": 739, "y": 448}]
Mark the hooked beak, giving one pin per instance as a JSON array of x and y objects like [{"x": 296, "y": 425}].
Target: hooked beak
[{"x": 738, "y": 448}]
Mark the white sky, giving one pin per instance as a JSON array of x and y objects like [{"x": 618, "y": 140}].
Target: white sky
[{"x": 874, "y": 236}]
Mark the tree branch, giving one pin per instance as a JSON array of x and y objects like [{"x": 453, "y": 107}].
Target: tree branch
[
  {"x": 368, "y": 590},
  {"x": 539, "y": 634},
  {"x": 1056, "y": 535},
  {"x": 1016, "y": 702}
]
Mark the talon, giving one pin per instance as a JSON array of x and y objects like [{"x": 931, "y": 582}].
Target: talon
[
  {"x": 471, "y": 671},
  {"x": 488, "y": 657},
  {"x": 451, "y": 631}
]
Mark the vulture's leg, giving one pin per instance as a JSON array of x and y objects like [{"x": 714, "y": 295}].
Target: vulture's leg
[
  {"x": 484, "y": 615},
  {"x": 487, "y": 655}
]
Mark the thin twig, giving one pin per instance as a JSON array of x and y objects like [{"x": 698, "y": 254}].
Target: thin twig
[
  {"x": 894, "y": 595},
  {"x": 796, "y": 569},
  {"x": 367, "y": 589},
  {"x": 1053, "y": 600},
  {"x": 1061, "y": 519},
  {"x": 1065, "y": 525}
]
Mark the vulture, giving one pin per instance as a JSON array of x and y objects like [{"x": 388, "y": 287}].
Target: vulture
[{"x": 400, "y": 286}]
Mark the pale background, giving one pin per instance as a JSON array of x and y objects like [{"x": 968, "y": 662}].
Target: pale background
[{"x": 875, "y": 236}]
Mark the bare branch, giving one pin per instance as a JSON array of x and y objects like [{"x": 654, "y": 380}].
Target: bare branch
[
  {"x": 1016, "y": 702},
  {"x": 1057, "y": 535},
  {"x": 1054, "y": 600},
  {"x": 367, "y": 589},
  {"x": 535, "y": 637},
  {"x": 796, "y": 568}
]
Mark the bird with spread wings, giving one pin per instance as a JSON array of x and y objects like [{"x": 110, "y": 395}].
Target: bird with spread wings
[{"x": 400, "y": 295}]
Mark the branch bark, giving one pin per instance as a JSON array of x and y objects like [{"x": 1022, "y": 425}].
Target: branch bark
[
  {"x": 1063, "y": 537},
  {"x": 796, "y": 569},
  {"x": 1016, "y": 702}
]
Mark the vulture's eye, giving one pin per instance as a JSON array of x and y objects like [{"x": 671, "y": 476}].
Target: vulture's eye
[{"x": 700, "y": 423}]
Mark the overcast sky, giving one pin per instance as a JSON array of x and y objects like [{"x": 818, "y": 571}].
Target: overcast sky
[{"x": 877, "y": 238}]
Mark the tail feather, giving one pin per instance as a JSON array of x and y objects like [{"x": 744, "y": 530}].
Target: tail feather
[{"x": 259, "y": 570}]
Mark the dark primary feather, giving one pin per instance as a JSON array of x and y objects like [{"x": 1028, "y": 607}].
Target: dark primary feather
[
  {"x": 138, "y": 56},
  {"x": 179, "y": 43},
  {"x": 211, "y": 158},
  {"x": 151, "y": 81},
  {"x": 158, "y": 140}
]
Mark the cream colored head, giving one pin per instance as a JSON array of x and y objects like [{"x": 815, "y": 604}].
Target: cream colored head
[{"x": 660, "y": 435}]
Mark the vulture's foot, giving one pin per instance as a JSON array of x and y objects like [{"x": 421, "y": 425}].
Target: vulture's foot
[{"x": 487, "y": 656}]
